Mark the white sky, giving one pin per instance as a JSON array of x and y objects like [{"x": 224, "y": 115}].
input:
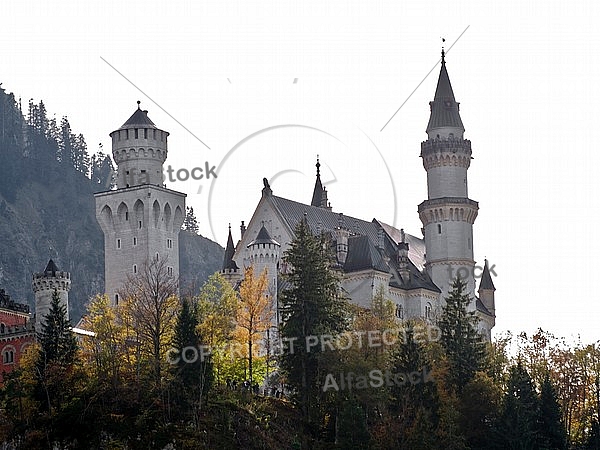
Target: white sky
[{"x": 526, "y": 73}]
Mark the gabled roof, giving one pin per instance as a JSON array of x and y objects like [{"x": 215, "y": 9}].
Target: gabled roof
[
  {"x": 444, "y": 107},
  {"x": 363, "y": 255},
  {"x": 139, "y": 117}
]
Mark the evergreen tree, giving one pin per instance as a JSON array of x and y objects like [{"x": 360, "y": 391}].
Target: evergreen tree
[
  {"x": 102, "y": 170},
  {"x": 312, "y": 306},
  {"x": 190, "y": 223},
  {"x": 460, "y": 339},
  {"x": 58, "y": 344},
  {"x": 56, "y": 358},
  {"x": 193, "y": 374},
  {"x": 518, "y": 428},
  {"x": 414, "y": 405},
  {"x": 351, "y": 425},
  {"x": 552, "y": 434}
]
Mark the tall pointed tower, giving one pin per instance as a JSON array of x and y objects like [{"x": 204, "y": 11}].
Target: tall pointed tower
[
  {"x": 448, "y": 213},
  {"x": 141, "y": 219}
]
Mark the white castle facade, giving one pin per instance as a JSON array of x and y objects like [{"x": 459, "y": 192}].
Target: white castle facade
[
  {"x": 141, "y": 220},
  {"x": 414, "y": 273}
]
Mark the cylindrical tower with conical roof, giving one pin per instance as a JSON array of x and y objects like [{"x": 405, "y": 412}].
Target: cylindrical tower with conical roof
[
  {"x": 139, "y": 149},
  {"x": 44, "y": 284},
  {"x": 448, "y": 213}
]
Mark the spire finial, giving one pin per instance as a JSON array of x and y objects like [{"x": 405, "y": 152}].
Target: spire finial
[
  {"x": 443, "y": 52},
  {"x": 318, "y": 167},
  {"x": 138, "y": 102},
  {"x": 230, "y": 227}
]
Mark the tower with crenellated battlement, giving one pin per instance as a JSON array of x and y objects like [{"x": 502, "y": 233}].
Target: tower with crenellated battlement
[{"x": 141, "y": 219}]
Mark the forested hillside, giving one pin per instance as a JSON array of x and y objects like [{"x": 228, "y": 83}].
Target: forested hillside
[{"x": 47, "y": 182}]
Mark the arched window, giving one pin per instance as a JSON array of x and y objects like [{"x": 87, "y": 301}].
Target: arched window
[
  {"x": 8, "y": 355},
  {"x": 428, "y": 310},
  {"x": 399, "y": 311}
]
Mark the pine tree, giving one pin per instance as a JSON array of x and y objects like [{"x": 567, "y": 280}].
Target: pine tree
[
  {"x": 56, "y": 359},
  {"x": 190, "y": 223},
  {"x": 552, "y": 434},
  {"x": 460, "y": 339},
  {"x": 193, "y": 374},
  {"x": 312, "y": 306},
  {"x": 416, "y": 406},
  {"x": 352, "y": 430},
  {"x": 58, "y": 344},
  {"x": 518, "y": 428}
]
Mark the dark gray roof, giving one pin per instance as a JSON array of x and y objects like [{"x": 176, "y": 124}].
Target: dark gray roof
[
  {"x": 263, "y": 237},
  {"x": 139, "y": 117},
  {"x": 486, "y": 279},
  {"x": 444, "y": 107},
  {"x": 318, "y": 190},
  {"x": 363, "y": 243},
  {"x": 363, "y": 255},
  {"x": 228, "y": 262},
  {"x": 481, "y": 308},
  {"x": 51, "y": 269}
]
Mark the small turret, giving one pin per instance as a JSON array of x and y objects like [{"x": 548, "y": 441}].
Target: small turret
[
  {"x": 403, "y": 261},
  {"x": 263, "y": 253},
  {"x": 44, "y": 284},
  {"x": 487, "y": 289},
  {"x": 341, "y": 237},
  {"x": 319, "y": 197},
  {"x": 230, "y": 270}
]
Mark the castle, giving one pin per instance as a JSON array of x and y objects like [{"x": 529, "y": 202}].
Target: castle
[
  {"x": 141, "y": 220},
  {"x": 415, "y": 273}
]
